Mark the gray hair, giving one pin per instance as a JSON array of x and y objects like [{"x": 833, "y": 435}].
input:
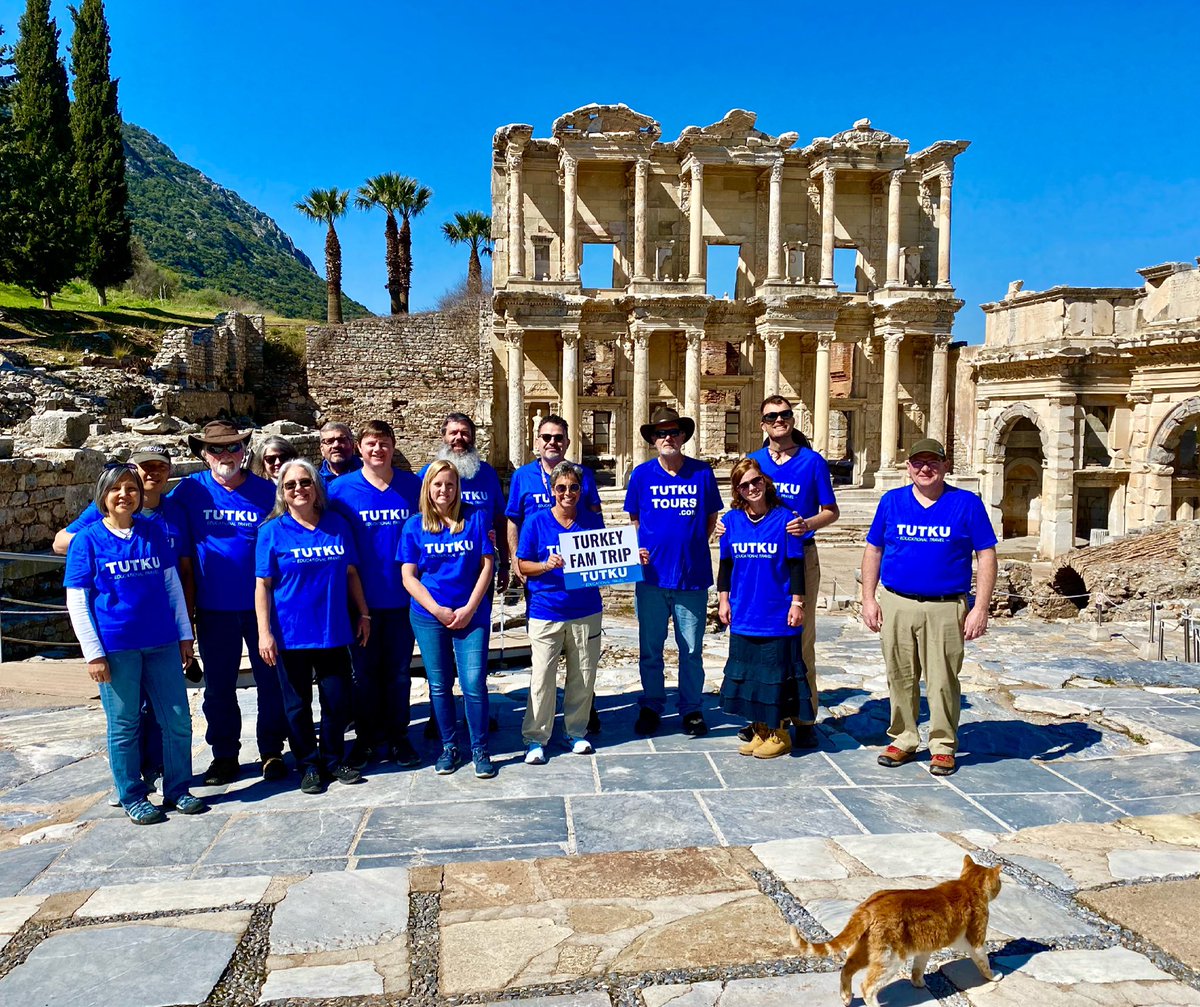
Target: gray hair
[
  {"x": 338, "y": 426},
  {"x": 567, "y": 469},
  {"x": 110, "y": 475},
  {"x": 320, "y": 497},
  {"x": 281, "y": 445}
]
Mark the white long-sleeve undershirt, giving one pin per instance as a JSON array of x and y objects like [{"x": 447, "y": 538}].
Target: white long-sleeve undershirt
[{"x": 79, "y": 608}]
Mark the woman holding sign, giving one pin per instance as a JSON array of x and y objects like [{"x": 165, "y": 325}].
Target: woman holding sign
[
  {"x": 447, "y": 558},
  {"x": 559, "y": 619},
  {"x": 760, "y": 583}
]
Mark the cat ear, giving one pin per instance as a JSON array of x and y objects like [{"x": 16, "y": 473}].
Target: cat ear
[{"x": 968, "y": 863}]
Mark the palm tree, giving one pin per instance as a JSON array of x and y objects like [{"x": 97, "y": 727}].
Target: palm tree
[
  {"x": 473, "y": 228},
  {"x": 400, "y": 194},
  {"x": 326, "y": 206}
]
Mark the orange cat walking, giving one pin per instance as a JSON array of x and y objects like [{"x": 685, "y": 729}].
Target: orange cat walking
[{"x": 890, "y": 926}]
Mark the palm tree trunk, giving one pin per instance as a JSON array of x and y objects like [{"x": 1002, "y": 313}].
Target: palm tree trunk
[
  {"x": 46, "y": 303},
  {"x": 474, "y": 274},
  {"x": 396, "y": 293},
  {"x": 102, "y": 296},
  {"x": 404, "y": 265},
  {"x": 333, "y": 277}
]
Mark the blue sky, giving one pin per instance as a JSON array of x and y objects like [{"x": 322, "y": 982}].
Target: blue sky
[{"x": 1083, "y": 167}]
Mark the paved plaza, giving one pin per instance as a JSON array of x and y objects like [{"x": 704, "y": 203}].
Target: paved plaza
[{"x": 659, "y": 869}]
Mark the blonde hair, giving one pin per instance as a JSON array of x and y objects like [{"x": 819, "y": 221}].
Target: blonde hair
[{"x": 431, "y": 520}]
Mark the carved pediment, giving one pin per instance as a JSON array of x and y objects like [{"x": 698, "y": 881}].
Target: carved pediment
[
  {"x": 735, "y": 129},
  {"x": 863, "y": 132},
  {"x": 612, "y": 122}
]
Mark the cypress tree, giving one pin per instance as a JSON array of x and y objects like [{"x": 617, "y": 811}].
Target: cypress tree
[
  {"x": 6, "y": 159},
  {"x": 43, "y": 251},
  {"x": 105, "y": 258}
]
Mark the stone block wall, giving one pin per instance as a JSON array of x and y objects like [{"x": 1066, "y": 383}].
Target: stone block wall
[
  {"x": 43, "y": 492},
  {"x": 408, "y": 370},
  {"x": 226, "y": 356}
]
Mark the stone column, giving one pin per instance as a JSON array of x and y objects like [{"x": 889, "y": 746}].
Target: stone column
[
  {"x": 771, "y": 339},
  {"x": 691, "y": 386},
  {"x": 570, "y": 257},
  {"x": 774, "y": 223},
  {"x": 828, "y": 184},
  {"x": 696, "y": 222},
  {"x": 821, "y": 396},
  {"x": 640, "y": 412},
  {"x": 943, "y": 260},
  {"x": 889, "y": 424},
  {"x": 1057, "y": 532},
  {"x": 641, "y": 176},
  {"x": 896, "y": 178},
  {"x": 570, "y": 390},
  {"x": 936, "y": 427},
  {"x": 515, "y": 338},
  {"x": 516, "y": 228}
]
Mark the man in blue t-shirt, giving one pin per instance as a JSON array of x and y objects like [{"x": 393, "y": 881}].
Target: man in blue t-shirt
[
  {"x": 337, "y": 452},
  {"x": 673, "y": 501},
  {"x": 919, "y": 547}
]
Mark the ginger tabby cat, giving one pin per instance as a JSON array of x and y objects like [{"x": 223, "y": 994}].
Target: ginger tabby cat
[{"x": 892, "y": 925}]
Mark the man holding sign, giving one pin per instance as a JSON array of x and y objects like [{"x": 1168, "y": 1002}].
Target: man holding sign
[{"x": 674, "y": 502}]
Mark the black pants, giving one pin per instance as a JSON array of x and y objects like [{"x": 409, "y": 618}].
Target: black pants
[{"x": 331, "y": 668}]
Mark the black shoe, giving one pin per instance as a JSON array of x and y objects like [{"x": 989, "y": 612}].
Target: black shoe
[
  {"x": 273, "y": 768},
  {"x": 594, "y": 721},
  {"x": 805, "y": 736},
  {"x": 403, "y": 754},
  {"x": 746, "y": 733},
  {"x": 360, "y": 755},
  {"x": 647, "y": 721},
  {"x": 220, "y": 772},
  {"x": 312, "y": 782},
  {"x": 347, "y": 774},
  {"x": 694, "y": 725}
]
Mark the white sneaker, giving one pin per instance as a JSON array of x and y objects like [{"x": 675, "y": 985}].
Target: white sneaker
[
  {"x": 579, "y": 746},
  {"x": 535, "y": 755},
  {"x": 113, "y": 800}
]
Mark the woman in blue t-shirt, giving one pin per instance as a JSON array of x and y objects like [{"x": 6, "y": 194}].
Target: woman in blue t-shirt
[
  {"x": 559, "y": 619},
  {"x": 129, "y": 615},
  {"x": 305, "y": 565},
  {"x": 447, "y": 558},
  {"x": 760, "y": 583}
]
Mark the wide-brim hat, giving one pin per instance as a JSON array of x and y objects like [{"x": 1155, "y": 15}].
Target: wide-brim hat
[
  {"x": 668, "y": 415},
  {"x": 217, "y": 433}
]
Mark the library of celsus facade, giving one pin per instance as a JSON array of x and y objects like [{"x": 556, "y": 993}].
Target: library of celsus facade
[{"x": 711, "y": 270}]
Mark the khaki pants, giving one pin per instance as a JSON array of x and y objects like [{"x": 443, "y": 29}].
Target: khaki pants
[
  {"x": 923, "y": 638},
  {"x": 580, "y": 638},
  {"x": 808, "y": 644}
]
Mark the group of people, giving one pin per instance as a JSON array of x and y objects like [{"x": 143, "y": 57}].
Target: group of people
[{"x": 331, "y": 574}]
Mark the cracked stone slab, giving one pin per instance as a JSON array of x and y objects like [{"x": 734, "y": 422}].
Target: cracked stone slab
[
  {"x": 174, "y": 896},
  {"x": 1108, "y": 966},
  {"x": 18, "y": 867},
  {"x": 899, "y": 856},
  {"x": 342, "y": 910},
  {"x": 1127, "y": 865},
  {"x": 777, "y": 991},
  {"x": 806, "y": 859},
  {"x": 1178, "y": 829},
  {"x": 317, "y": 982},
  {"x": 1020, "y": 913},
  {"x": 1018, "y": 990}
]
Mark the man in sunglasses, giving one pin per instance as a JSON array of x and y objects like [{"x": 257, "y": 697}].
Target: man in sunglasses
[
  {"x": 337, "y": 452},
  {"x": 224, "y": 507},
  {"x": 920, "y": 546},
  {"x": 673, "y": 501}
]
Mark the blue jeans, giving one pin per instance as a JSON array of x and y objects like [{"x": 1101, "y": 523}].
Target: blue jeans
[
  {"x": 383, "y": 679},
  {"x": 654, "y": 606},
  {"x": 219, "y": 637},
  {"x": 441, "y": 649},
  {"x": 330, "y": 666},
  {"x": 157, "y": 671}
]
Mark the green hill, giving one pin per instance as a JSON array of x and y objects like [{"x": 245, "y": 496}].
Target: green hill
[{"x": 214, "y": 238}]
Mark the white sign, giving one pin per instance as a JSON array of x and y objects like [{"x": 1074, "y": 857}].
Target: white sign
[{"x": 600, "y": 556}]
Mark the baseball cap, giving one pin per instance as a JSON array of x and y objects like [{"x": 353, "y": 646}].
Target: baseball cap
[
  {"x": 927, "y": 446},
  {"x": 151, "y": 453}
]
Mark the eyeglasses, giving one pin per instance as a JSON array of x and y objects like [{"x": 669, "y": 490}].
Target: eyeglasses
[
  {"x": 565, "y": 490},
  {"x": 553, "y": 438},
  {"x": 330, "y": 441},
  {"x": 751, "y": 484},
  {"x": 783, "y": 414},
  {"x": 927, "y": 463},
  {"x": 273, "y": 459},
  {"x": 662, "y": 435},
  {"x": 216, "y": 450},
  {"x": 298, "y": 484}
]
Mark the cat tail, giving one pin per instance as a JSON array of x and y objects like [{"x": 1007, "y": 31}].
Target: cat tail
[{"x": 842, "y": 942}]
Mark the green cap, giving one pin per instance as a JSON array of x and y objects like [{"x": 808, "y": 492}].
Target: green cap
[{"x": 927, "y": 446}]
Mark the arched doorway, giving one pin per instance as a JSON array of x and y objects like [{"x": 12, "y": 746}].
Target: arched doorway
[
  {"x": 1021, "y": 501},
  {"x": 1176, "y": 446}
]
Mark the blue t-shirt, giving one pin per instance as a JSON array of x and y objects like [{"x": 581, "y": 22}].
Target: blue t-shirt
[
  {"x": 482, "y": 491},
  {"x": 169, "y": 515},
  {"x": 326, "y": 473},
  {"x": 803, "y": 481},
  {"x": 548, "y": 595},
  {"x": 308, "y": 579},
  {"x": 928, "y": 550},
  {"x": 377, "y": 517},
  {"x": 530, "y": 492},
  {"x": 222, "y": 525},
  {"x": 448, "y": 563},
  {"x": 672, "y": 514},
  {"x": 760, "y": 595},
  {"x": 126, "y": 577}
]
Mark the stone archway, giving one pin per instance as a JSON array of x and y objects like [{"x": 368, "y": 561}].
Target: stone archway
[
  {"x": 1174, "y": 458},
  {"x": 1017, "y": 450},
  {"x": 1173, "y": 426},
  {"x": 1003, "y": 424}
]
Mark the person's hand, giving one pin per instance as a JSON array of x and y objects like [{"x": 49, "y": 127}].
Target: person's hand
[
  {"x": 554, "y": 561},
  {"x": 718, "y": 529},
  {"x": 644, "y": 556},
  {"x": 461, "y": 617},
  {"x": 364, "y": 630},
  {"x": 445, "y": 615},
  {"x": 872, "y": 615},
  {"x": 187, "y": 650},
  {"x": 976, "y": 624},
  {"x": 517, "y": 576},
  {"x": 98, "y": 670},
  {"x": 795, "y": 616},
  {"x": 797, "y": 526},
  {"x": 503, "y": 575},
  {"x": 267, "y": 649},
  {"x": 724, "y": 612}
]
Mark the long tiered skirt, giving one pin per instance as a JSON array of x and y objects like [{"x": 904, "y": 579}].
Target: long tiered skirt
[{"x": 765, "y": 681}]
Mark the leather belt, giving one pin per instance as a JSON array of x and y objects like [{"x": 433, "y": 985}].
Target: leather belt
[{"x": 926, "y": 597}]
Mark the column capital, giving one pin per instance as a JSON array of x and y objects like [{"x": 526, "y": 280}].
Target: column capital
[
  {"x": 772, "y": 337},
  {"x": 568, "y": 163},
  {"x": 892, "y": 338},
  {"x": 513, "y": 156},
  {"x": 570, "y": 335},
  {"x": 514, "y": 336},
  {"x": 895, "y": 178},
  {"x": 942, "y": 341},
  {"x": 828, "y": 176},
  {"x": 946, "y": 177},
  {"x": 777, "y": 170},
  {"x": 642, "y": 167},
  {"x": 694, "y": 335},
  {"x": 639, "y": 336},
  {"x": 825, "y": 340},
  {"x": 697, "y": 170}
]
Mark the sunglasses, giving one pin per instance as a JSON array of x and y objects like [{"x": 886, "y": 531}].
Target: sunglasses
[
  {"x": 783, "y": 414},
  {"x": 298, "y": 484},
  {"x": 662, "y": 435},
  {"x": 751, "y": 484},
  {"x": 553, "y": 438},
  {"x": 926, "y": 464},
  {"x": 565, "y": 489},
  {"x": 273, "y": 459},
  {"x": 216, "y": 450}
]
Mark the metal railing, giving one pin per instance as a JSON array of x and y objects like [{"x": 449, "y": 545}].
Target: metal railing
[{"x": 30, "y": 609}]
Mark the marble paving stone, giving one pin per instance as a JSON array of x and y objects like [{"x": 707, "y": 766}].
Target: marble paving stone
[
  {"x": 903, "y": 856},
  {"x": 89, "y": 966},
  {"x": 318, "y": 982},
  {"x": 53, "y": 882},
  {"x": 1126, "y": 865},
  {"x": 1046, "y": 870},
  {"x": 1132, "y": 778},
  {"x": 285, "y": 835},
  {"x": 118, "y": 844},
  {"x": 1108, "y": 966},
  {"x": 563, "y": 775},
  {"x": 659, "y": 772},
  {"x": 427, "y": 828},
  {"x": 270, "y": 867},
  {"x": 581, "y": 999},
  {"x": 434, "y": 857},
  {"x": 776, "y": 991},
  {"x": 117, "y": 900},
  {"x": 332, "y": 912},
  {"x": 1023, "y": 811},
  {"x": 32, "y": 761},
  {"x": 1009, "y": 776},
  {"x": 14, "y": 911},
  {"x": 832, "y": 914},
  {"x": 1020, "y": 913},
  {"x": 1017, "y": 990},
  {"x": 808, "y": 769},
  {"x": 913, "y": 809},
  {"x": 21, "y": 865},
  {"x": 1184, "y": 804},
  {"x": 758, "y": 816},
  {"x": 645, "y": 821},
  {"x": 862, "y": 766},
  {"x": 20, "y": 819},
  {"x": 72, "y": 781},
  {"x": 799, "y": 859},
  {"x": 638, "y": 876}
]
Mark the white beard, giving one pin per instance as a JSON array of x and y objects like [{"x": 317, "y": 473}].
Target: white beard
[
  {"x": 466, "y": 464},
  {"x": 227, "y": 470}
]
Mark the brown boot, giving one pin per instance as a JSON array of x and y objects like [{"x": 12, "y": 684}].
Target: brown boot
[
  {"x": 758, "y": 738},
  {"x": 779, "y": 742}
]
